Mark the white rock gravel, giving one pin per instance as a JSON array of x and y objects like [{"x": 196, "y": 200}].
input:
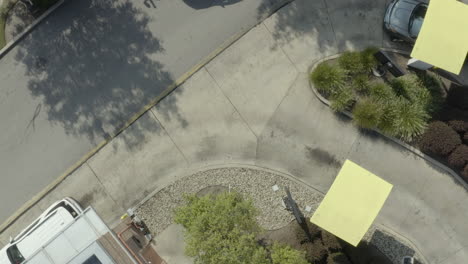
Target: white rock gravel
[
  {"x": 157, "y": 211},
  {"x": 256, "y": 184}
]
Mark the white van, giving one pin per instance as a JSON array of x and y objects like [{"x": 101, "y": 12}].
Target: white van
[{"x": 43, "y": 229}]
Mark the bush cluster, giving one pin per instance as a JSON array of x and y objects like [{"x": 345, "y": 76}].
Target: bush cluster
[
  {"x": 439, "y": 139},
  {"x": 459, "y": 126},
  {"x": 356, "y": 63},
  {"x": 324, "y": 247},
  {"x": 400, "y": 108},
  {"x": 328, "y": 79},
  {"x": 459, "y": 157}
]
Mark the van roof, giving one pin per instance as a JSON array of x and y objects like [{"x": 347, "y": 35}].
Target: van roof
[{"x": 48, "y": 229}]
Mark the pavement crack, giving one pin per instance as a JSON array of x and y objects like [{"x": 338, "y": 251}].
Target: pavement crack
[
  {"x": 282, "y": 50},
  {"x": 100, "y": 182},
  {"x": 167, "y": 133},
  {"x": 235, "y": 108},
  {"x": 331, "y": 23}
]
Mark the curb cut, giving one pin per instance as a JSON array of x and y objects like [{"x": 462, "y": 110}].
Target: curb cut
[
  {"x": 193, "y": 170},
  {"x": 226, "y": 44},
  {"x": 28, "y": 29},
  {"x": 412, "y": 149}
]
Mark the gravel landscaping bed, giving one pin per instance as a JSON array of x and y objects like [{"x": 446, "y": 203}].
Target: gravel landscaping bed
[{"x": 157, "y": 212}]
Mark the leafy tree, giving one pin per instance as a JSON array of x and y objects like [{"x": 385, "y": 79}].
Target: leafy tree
[{"x": 222, "y": 229}]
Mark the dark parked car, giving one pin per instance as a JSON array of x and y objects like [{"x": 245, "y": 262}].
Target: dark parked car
[{"x": 404, "y": 18}]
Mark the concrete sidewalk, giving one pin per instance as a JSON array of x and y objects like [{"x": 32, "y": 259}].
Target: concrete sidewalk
[{"x": 253, "y": 105}]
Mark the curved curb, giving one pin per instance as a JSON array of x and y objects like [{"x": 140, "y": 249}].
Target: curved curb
[
  {"x": 193, "y": 170},
  {"x": 226, "y": 44},
  {"x": 393, "y": 139}
]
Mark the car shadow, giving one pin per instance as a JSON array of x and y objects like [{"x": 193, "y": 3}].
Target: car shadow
[{"x": 202, "y": 4}]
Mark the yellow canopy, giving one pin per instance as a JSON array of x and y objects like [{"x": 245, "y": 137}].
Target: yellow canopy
[
  {"x": 352, "y": 203},
  {"x": 443, "y": 39}
]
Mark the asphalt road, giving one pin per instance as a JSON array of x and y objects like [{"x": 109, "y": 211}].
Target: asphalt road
[{"x": 87, "y": 68}]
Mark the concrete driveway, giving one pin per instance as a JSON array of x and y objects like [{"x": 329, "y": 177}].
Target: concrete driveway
[
  {"x": 88, "y": 68},
  {"x": 252, "y": 105}
]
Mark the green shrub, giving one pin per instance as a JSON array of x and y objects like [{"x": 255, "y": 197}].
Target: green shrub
[
  {"x": 328, "y": 79},
  {"x": 409, "y": 120},
  {"x": 432, "y": 84},
  {"x": 367, "y": 113},
  {"x": 439, "y": 139},
  {"x": 368, "y": 59},
  {"x": 358, "y": 62},
  {"x": 381, "y": 91},
  {"x": 360, "y": 83},
  {"x": 412, "y": 88},
  {"x": 351, "y": 61},
  {"x": 389, "y": 112},
  {"x": 283, "y": 254},
  {"x": 459, "y": 157},
  {"x": 406, "y": 86},
  {"x": 342, "y": 100}
]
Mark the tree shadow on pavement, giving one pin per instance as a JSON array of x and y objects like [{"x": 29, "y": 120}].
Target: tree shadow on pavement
[
  {"x": 332, "y": 25},
  {"x": 93, "y": 64}
]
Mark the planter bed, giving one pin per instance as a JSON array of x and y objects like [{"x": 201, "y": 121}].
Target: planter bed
[{"x": 417, "y": 108}]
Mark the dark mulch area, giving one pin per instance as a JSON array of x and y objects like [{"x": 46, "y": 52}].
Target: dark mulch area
[{"x": 321, "y": 247}]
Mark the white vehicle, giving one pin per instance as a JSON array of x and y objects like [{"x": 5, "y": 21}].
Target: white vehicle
[{"x": 44, "y": 228}]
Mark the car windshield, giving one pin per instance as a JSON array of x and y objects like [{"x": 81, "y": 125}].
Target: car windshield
[
  {"x": 416, "y": 20},
  {"x": 14, "y": 255}
]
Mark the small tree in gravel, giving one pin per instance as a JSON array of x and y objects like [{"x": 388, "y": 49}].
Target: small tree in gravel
[
  {"x": 223, "y": 229},
  {"x": 439, "y": 139}
]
